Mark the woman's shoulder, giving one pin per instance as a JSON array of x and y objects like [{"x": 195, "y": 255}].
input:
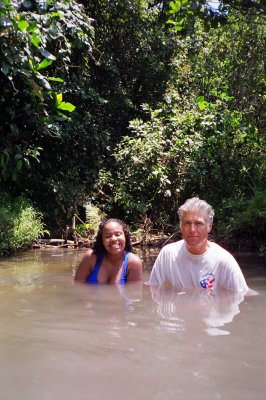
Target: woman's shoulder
[
  {"x": 89, "y": 253},
  {"x": 134, "y": 268},
  {"x": 89, "y": 257},
  {"x": 132, "y": 255},
  {"x": 133, "y": 258},
  {"x": 86, "y": 264}
]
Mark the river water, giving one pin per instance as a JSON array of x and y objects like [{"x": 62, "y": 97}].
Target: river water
[{"x": 66, "y": 341}]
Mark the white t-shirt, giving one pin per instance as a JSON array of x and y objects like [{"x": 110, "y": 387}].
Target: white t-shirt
[{"x": 216, "y": 268}]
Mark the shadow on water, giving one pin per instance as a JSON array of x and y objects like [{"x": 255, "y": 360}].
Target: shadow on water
[{"x": 64, "y": 341}]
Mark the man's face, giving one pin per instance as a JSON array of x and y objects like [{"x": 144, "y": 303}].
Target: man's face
[{"x": 195, "y": 231}]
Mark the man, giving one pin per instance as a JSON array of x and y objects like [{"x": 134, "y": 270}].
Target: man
[{"x": 194, "y": 261}]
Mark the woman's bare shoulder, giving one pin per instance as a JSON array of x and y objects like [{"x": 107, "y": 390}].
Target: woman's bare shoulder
[
  {"x": 86, "y": 265},
  {"x": 133, "y": 257},
  {"x": 88, "y": 254},
  {"x": 134, "y": 260},
  {"x": 134, "y": 268}
]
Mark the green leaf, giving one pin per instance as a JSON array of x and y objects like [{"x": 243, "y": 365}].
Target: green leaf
[
  {"x": 14, "y": 175},
  {"x": 53, "y": 79},
  {"x": 47, "y": 55},
  {"x": 199, "y": 99},
  {"x": 14, "y": 129},
  {"x": 23, "y": 25},
  {"x": 201, "y": 102},
  {"x": 175, "y": 6},
  {"x": 44, "y": 81},
  {"x": 44, "y": 64},
  {"x": 35, "y": 40},
  {"x": 32, "y": 27},
  {"x": 19, "y": 165},
  {"x": 59, "y": 98},
  {"x": 202, "y": 106},
  {"x": 27, "y": 163},
  {"x": 5, "y": 69},
  {"x": 6, "y": 152},
  {"x": 170, "y": 21},
  {"x": 63, "y": 116},
  {"x": 18, "y": 156},
  {"x": 66, "y": 106},
  {"x": 2, "y": 160}
]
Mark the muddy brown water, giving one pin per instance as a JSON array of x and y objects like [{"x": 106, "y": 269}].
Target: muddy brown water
[{"x": 65, "y": 341}]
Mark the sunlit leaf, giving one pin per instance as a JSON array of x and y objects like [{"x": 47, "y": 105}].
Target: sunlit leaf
[
  {"x": 53, "y": 79},
  {"x": 66, "y": 106},
  {"x": 201, "y": 102},
  {"x": 175, "y": 6},
  {"x": 59, "y": 98},
  {"x": 170, "y": 21},
  {"x": 44, "y": 64},
  {"x": 23, "y": 25},
  {"x": 35, "y": 40},
  {"x": 44, "y": 81}
]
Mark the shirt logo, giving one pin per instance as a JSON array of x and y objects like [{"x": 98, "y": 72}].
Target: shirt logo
[{"x": 207, "y": 281}]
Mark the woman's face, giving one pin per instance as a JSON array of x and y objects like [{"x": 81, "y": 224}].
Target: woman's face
[{"x": 113, "y": 237}]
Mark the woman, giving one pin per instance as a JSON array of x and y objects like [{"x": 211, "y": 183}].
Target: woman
[{"x": 110, "y": 260}]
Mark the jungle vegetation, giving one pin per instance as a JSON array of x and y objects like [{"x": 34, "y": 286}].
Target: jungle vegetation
[{"x": 133, "y": 106}]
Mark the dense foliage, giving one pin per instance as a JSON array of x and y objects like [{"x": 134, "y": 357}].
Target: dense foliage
[
  {"x": 40, "y": 47},
  {"x": 20, "y": 224},
  {"x": 134, "y": 106}
]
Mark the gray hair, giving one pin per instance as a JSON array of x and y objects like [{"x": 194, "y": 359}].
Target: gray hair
[{"x": 196, "y": 204}]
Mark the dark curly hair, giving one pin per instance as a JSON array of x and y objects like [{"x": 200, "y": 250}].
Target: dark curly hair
[{"x": 98, "y": 247}]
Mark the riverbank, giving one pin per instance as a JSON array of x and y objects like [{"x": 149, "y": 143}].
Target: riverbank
[{"x": 156, "y": 241}]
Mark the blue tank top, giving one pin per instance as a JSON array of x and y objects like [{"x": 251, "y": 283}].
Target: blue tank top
[{"x": 93, "y": 277}]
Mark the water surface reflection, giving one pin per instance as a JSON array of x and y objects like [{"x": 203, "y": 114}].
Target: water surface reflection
[
  {"x": 178, "y": 308},
  {"x": 65, "y": 341}
]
